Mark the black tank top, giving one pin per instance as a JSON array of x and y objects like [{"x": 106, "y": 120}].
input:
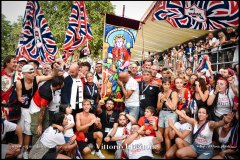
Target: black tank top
[
  {"x": 199, "y": 103},
  {"x": 164, "y": 105},
  {"x": 28, "y": 94}
]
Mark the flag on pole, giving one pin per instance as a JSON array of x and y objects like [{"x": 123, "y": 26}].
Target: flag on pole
[
  {"x": 201, "y": 15},
  {"x": 78, "y": 31},
  {"x": 36, "y": 41}
]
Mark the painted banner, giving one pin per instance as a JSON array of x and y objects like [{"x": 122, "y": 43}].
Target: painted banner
[
  {"x": 36, "y": 41},
  {"x": 119, "y": 37},
  {"x": 202, "y": 15}
]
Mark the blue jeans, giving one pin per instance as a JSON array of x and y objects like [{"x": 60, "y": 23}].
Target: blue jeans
[
  {"x": 141, "y": 111},
  {"x": 133, "y": 111},
  {"x": 203, "y": 151}
]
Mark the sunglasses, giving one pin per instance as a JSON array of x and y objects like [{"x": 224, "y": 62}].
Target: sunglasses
[{"x": 30, "y": 72}]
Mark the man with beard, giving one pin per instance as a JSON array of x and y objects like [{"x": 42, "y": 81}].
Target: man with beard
[
  {"x": 140, "y": 147},
  {"x": 121, "y": 132},
  {"x": 109, "y": 119}
]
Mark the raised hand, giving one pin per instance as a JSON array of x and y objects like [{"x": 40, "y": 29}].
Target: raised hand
[{"x": 228, "y": 118}]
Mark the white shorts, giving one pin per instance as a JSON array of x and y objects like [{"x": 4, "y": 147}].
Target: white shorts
[{"x": 25, "y": 121}]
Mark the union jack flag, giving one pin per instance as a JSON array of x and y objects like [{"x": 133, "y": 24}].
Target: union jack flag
[
  {"x": 78, "y": 30},
  {"x": 36, "y": 41},
  {"x": 200, "y": 15}
]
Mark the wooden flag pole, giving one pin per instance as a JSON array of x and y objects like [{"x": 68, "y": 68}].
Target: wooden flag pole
[{"x": 123, "y": 11}]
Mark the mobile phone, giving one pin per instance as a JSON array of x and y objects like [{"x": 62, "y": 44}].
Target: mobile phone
[{"x": 146, "y": 121}]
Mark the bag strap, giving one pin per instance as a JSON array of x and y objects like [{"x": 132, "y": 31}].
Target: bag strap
[{"x": 199, "y": 130}]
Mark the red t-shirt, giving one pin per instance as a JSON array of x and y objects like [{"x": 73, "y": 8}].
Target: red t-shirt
[
  {"x": 190, "y": 89},
  {"x": 144, "y": 121},
  {"x": 6, "y": 86}
]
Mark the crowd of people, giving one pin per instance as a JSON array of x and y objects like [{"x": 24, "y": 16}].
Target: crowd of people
[
  {"x": 188, "y": 54},
  {"x": 171, "y": 109}
]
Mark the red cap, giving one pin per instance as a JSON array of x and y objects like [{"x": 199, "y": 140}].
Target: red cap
[{"x": 231, "y": 72}]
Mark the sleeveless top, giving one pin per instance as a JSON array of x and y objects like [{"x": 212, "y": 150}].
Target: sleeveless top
[
  {"x": 224, "y": 140},
  {"x": 164, "y": 106},
  {"x": 199, "y": 103},
  {"x": 205, "y": 136},
  {"x": 28, "y": 94}
]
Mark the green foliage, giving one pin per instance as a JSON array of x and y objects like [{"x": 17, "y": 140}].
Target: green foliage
[
  {"x": 6, "y": 37},
  {"x": 57, "y": 14}
]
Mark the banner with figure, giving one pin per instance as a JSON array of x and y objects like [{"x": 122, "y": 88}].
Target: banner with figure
[
  {"x": 36, "y": 41},
  {"x": 119, "y": 37}
]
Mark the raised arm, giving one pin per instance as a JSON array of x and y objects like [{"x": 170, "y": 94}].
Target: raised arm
[
  {"x": 126, "y": 93},
  {"x": 54, "y": 73},
  {"x": 213, "y": 96},
  {"x": 204, "y": 96},
  {"x": 179, "y": 134},
  {"x": 190, "y": 120},
  {"x": 226, "y": 119},
  {"x": 130, "y": 117},
  {"x": 234, "y": 88},
  {"x": 132, "y": 137}
]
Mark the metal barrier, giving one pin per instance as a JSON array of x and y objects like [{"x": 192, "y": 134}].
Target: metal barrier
[{"x": 228, "y": 51}]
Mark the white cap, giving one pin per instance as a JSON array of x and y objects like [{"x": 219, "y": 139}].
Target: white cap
[
  {"x": 27, "y": 68},
  {"x": 22, "y": 59}
]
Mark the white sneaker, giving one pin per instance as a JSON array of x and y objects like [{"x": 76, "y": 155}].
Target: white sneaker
[
  {"x": 25, "y": 155},
  {"x": 20, "y": 156},
  {"x": 93, "y": 152},
  {"x": 100, "y": 155}
]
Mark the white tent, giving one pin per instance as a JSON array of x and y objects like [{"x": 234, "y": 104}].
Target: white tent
[{"x": 156, "y": 36}]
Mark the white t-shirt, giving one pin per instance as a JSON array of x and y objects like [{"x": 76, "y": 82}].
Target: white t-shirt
[
  {"x": 51, "y": 138},
  {"x": 133, "y": 100},
  {"x": 213, "y": 40},
  {"x": 120, "y": 133},
  {"x": 140, "y": 147},
  {"x": 54, "y": 104},
  {"x": 69, "y": 132},
  {"x": 182, "y": 128},
  {"x": 223, "y": 103},
  {"x": 8, "y": 127}
]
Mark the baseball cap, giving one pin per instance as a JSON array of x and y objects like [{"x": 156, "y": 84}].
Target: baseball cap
[
  {"x": 22, "y": 60},
  {"x": 99, "y": 62},
  {"x": 27, "y": 68},
  {"x": 231, "y": 72}
]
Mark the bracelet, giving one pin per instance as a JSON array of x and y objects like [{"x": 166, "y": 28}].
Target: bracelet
[
  {"x": 174, "y": 110},
  {"x": 110, "y": 136},
  {"x": 156, "y": 129}
]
